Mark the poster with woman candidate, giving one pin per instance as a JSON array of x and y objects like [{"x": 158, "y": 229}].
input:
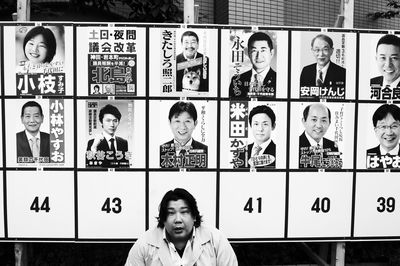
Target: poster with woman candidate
[
  {"x": 321, "y": 135},
  {"x": 254, "y": 63},
  {"x": 40, "y": 133},
  {"x": 182, "y": 134},
  {"x": 378, "y": 136},
  {"x": 323, "y": 65},
  {"x": 256, "y": 135},
  {"x": 111, "y": 60},
  {"x": 42, "y": 59},
  {"x": 380, "y": 75},
  {"x": 186, "y": 64}
]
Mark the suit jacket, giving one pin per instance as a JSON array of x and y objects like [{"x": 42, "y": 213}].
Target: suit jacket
[
  {"x": 378, "y": 81},
  {"x": 168, "y": 158},
  {"x": 204, "y": 71},
  {"x": 271, "y": 149},
  {"x": 376, "y": 151},
  {"x": 240, "y": 84},
  {"x": 24, "y": 149},
  {"x": 327, "y": 146},
  {"x": 335, "y": 76},
  {"x": 122, "y": 145},
  {"x": 210, "y": 247}
]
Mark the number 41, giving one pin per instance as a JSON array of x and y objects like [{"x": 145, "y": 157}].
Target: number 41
[{"x": 249, "y": 205}]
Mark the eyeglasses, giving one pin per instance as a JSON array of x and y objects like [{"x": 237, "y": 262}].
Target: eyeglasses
[
  {"x": 392, "y": 127},
  {"x": 323, "y": 50}
]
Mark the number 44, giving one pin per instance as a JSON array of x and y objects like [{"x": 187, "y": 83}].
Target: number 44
[{"x": 45, "y": 206}]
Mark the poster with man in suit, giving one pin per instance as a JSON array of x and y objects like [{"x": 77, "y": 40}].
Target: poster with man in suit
[{"x": 110, "y": 126}]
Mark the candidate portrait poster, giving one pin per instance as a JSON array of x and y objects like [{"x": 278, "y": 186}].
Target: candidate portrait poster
[
  {"x": 94, "y": 148},
  {"x": 378, "y": 143},
  {"x": 109, "y": 133},
  {"x": 321, "y": 71},
  {"x": 317, "y": 143},
  {"x": 40, "y": 132},
  {"x": 379, "y": 78},
  {"x": 40, "y": 59},
  {"x": 111, "y": 60},
  {"x": 184, "y": 141},
  {"x": 260, "y": 72},
  {"x": 240, "y": 138},
  {"x": 183, "y": 62}
]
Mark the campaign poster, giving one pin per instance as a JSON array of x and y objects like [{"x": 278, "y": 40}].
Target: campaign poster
[
  {"x": 40, "y": 133},
  {"x": 40, "y": 57},
  {"x": 379, "y": 78},
  {"x": 254, "y": 63},
  {"x": 109, "y": 126},
  {"x": 378, "y": 136},
  {"x": 111, "y": 60},
  {"x": 323, "y": 65},
  {"x": 186, "y": 63},
  {"x": 182, "y": 134},
  {"x": 255, "y": 135},
  {"x": 321, "y": 135}
]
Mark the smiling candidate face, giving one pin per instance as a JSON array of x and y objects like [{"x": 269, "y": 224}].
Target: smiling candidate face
[
  {"x": 182, "y": 127},
  {"x": 387, "y": 131},
  {"x": 317, "y": 122},
  {"x": 36, "y": 49},
  {"x": 32, "y": 119}
]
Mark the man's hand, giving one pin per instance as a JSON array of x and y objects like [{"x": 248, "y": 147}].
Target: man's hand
[{"x": 96, "y": 142}]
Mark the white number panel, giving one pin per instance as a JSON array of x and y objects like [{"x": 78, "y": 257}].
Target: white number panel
[
  {"x": 376, "y": 210},
  {"x": 46, "y": 209},
  {"x": 320, "y": 204},
  {"x": 252, "y": 205},
  {"x": 111, "y": 204}
]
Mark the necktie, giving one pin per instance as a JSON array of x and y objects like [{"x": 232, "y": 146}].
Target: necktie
[
  {"x": 35, "y": 146},
  {"x": 256, "y": 150},
  {"x": 113, "y": 147},
  {"x": 320, "y": 78},
  {"x": 256, "y": 83}
]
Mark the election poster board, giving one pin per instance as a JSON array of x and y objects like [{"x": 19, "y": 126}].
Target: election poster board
[
  {"x": 311, "y": 50},
  {"x": 93, "y": 138},
  {"x": 40, "y": 59},
  {"x": 268, "y": 55},
  {"x": 183, "y": 62},
  {"x": 111, "y": 60}
]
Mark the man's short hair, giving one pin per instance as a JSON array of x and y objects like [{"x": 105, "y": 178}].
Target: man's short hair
[
  {"x": 109, "y": 109},
  {"x": 190, "y": 33},
  {"x": 262, "y": 109},
  {"x": 49, "y": 38},
  {"x": 31, "y": 104},
  {"x": 324, "y": 38},
  {"x": 174, "y": 195},
  {"x": 389, "y": 39},
  {"x": 307, "y": 110},
  {"x": 384, "y": 110},
  {"x": 180, "y": 107},
  {"x": 259, "y": 36}
]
